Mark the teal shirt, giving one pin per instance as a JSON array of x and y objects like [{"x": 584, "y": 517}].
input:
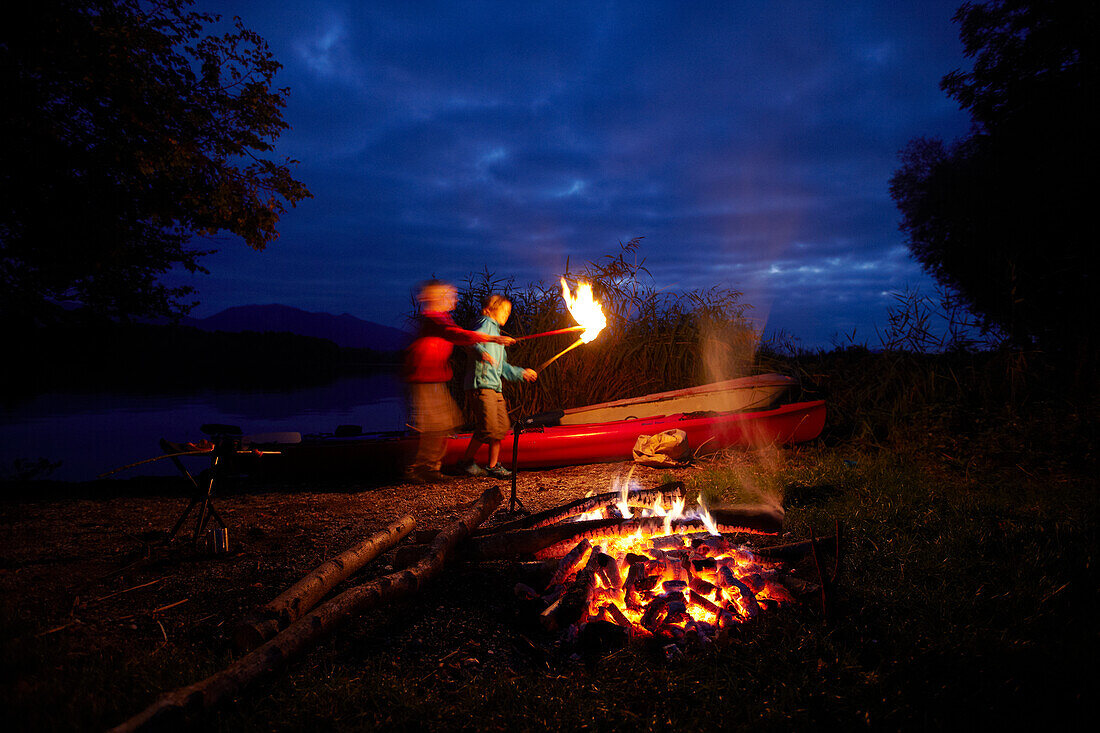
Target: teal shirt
[{"x": 481, "y": 374}]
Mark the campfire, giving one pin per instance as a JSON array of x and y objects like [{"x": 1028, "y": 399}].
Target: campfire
[{"x": 649, "y": 568}]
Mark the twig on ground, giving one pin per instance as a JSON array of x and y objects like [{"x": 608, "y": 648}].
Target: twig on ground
[{"x": 120, "y": 592}]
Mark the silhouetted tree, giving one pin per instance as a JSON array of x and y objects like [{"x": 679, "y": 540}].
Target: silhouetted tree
[
  {"x": 128, "y": 128},
  {"x": 1005, "y": 216}
]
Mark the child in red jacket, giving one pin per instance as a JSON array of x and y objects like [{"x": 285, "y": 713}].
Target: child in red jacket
[{"x": 427, "y": 370}]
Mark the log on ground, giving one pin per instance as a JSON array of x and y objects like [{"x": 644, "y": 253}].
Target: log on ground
[
  {"x": 293, "y": 640},
  {"x": 304, "y": 595}
]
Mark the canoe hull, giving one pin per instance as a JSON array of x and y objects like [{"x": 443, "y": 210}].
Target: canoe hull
[{"x": 732, "y": 395}]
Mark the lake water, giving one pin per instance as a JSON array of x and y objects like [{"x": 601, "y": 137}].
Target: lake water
[{"x": 90, "y": 433}]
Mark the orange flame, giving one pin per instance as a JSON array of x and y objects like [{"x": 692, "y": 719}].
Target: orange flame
[{"x": 585, "y": 309}]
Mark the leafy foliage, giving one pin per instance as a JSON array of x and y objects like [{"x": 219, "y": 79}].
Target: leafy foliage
[
  {"x": 128, "y": 129},
  {"x": 1004, "y": 215}
]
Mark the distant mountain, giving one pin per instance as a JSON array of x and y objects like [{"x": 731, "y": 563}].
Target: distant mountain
[{"x": 344, "y": 330}]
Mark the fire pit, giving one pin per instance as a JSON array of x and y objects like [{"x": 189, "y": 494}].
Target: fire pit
[{"x": 641, "y": 566}]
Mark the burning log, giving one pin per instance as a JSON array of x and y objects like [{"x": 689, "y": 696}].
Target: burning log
[
  {"x": 701, "y": 586},
  {"x": 303, "y": 595},
  {"x": 308, "y": 629},
  {"x": 609, "y": 571},
  {"x": 572, "y": 562},
  {"x": 749, "y": 518},
  {"x": 705, "y": 603},
  {"x": 631, "y": 593},
  {"x": 558, "y": 539},
  {"x": 762, "y": 520},
  {"x": 658, "y": 609},
  {"x": 573, "y": 604},
  {"x": 637, "y": 499},
  {"x": 530, "y": 541},
  {"x": 748, "y": 604}
]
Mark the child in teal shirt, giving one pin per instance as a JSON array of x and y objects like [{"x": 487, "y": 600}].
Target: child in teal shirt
[{"x": 484, "y": 386}]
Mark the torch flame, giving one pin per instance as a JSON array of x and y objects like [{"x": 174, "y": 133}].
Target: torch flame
[{"x": 584, "y": 309}]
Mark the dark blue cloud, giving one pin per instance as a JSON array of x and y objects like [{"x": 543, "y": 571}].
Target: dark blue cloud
[{"x": 750, "y": 144}]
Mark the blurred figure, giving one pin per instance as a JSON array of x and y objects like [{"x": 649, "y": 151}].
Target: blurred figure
[{"x": 427, "y": 370}]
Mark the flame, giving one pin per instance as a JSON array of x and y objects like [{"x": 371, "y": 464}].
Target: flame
[
  {"x": 624, "y": 492},
  {"x": 657, "y": 509},
  {"x": 708, "y": 520},
  {"x": 586, "y": 311}
]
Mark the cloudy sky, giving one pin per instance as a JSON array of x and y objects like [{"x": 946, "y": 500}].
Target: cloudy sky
[{"x": 749, "y": 142}]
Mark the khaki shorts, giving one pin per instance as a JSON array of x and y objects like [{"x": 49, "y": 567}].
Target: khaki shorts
[{"x": 491, "y": 415}]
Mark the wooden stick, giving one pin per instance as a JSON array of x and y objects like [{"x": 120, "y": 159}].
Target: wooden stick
[
  {"x": 571, "y": 329},
  {"x": 558, "y": 355},
  {"x": 113, "y": 471},
  {"x": 790, "y": 551},
  {"x": 321, "y": 621},
  {"x": 303, "y": 595},
  {"x": 120, "y": 592}
]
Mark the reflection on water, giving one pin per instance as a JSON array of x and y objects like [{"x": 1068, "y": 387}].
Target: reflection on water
[{"x": 94, "y": 432}]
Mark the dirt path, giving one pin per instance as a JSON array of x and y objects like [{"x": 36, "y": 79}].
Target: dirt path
[{"x": 60, "y": 558}]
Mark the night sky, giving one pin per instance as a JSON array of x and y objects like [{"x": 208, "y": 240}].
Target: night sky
[{"x": 750, "y": 143}]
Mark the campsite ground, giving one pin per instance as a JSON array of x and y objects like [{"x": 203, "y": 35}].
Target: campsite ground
[{"x": 967, "y": 595}]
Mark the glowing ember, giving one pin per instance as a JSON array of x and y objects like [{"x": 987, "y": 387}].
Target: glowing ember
[
  {"x": 584, "y": 309},
  {"x": 667, "y": 573}
]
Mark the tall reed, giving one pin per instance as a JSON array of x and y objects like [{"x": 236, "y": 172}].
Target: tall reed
[{"x": 653, "y": 341}]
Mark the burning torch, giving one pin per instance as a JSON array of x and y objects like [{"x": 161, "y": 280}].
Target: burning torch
[{"x": 586, "y": 311}]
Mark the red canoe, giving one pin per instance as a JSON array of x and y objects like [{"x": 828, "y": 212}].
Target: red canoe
[
  {"x": 543, "y": 447},
  {"x": 567, "y": 445}
]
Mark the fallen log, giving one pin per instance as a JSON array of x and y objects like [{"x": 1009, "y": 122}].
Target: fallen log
[
  {"x": 642, "y": 498},
  {"x": 303, "y": 595},
  {"x": 308, "y": 629}
]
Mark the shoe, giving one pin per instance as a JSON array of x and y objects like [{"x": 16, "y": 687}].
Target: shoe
[
  {"x": 498, "y": 471},
  {"x": 472, "y": 469},
  {"x": 432, "y": 476},
  {"x": 413, "y": 476}
]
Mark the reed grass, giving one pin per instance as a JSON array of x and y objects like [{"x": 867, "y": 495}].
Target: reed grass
[{"x": 654, "y": 341}]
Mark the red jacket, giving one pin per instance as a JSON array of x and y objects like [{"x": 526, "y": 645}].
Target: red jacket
[{"x": 428, "y": 357}]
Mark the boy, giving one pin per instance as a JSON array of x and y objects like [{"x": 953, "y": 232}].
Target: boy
[
  {"x": 427, "y": 370},
  {"x": 484, "y": 387}
]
